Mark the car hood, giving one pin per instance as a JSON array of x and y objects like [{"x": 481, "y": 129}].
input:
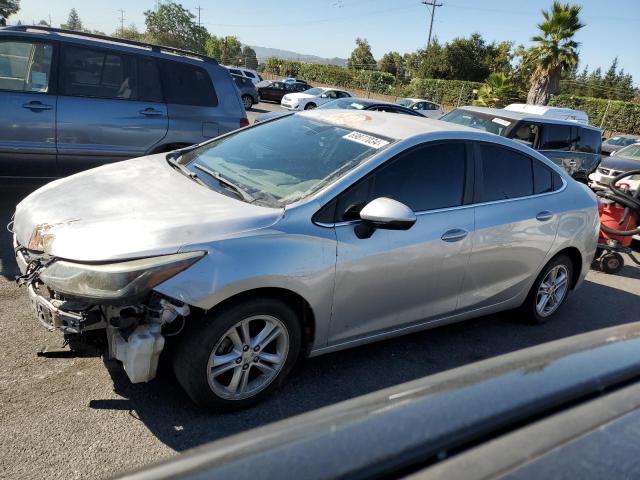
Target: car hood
[
  {"x": 298, "y": 96},
  {"x": 136, "y": 208},
  {"x": 620, "y": 163}
]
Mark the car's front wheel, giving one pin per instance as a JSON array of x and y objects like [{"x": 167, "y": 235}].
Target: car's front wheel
[
  {"x": 239, "y": 355},
  {"x": 310, "y": 106},
  {"x": 247, "y": 101},
  {"x": 549, "y": 291}
]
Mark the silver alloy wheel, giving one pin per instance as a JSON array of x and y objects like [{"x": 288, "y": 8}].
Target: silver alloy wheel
[
  {"x": 552, "y": 290},
  {"x": 248, "y": 357},
  {"x": 247, "y": 102}
]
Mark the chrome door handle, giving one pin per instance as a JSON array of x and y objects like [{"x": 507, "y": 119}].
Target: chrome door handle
[
  {"x": 544, "y": 216},
  {"x": 35, "y": 105},
  {"x": 150, "y": 111},
  {"x": 454, "y": 235}
]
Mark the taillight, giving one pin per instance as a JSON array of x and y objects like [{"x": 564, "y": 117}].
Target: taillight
[{"x": 244, "y": 122}]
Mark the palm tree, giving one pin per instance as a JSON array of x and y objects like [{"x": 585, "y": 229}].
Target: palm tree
[
  {"x": 555, "y": 52},
  {"x": 496, "y": 91}
]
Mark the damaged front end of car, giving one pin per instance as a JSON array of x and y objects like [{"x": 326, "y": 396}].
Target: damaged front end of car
[{"x": 80, "y": 299}]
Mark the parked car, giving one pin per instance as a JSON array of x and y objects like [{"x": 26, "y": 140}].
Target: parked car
[
  {"x": 351, "y": 103},
  {"x": 624, "y": 160},
  {"x": 573, "y": 146},
  {"x": 312, "y": 98},
  {"x": 310, "y": 234},
  {"x": 245, "y": 72},
  {"x": 274, "y": 91},
  {"x": 75, "y": 100},
  {"x": 425, "y": 107},
  {"x": 248, "y": 91},
  {"x": 615, "y": 143},
  {"x": 558, "y": 113},
  {"x": 565, "y": 409}
]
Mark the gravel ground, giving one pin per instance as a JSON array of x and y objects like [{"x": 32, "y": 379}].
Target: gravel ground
[{"x": 74, "y": 418}]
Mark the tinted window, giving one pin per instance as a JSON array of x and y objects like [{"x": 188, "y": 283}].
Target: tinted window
[
  {"x": 187, "y": 85},
  {"x": 505, "y": 174},
  {"x": 526, "y": 133},
  {"x": 25, "y": 66},
  {"x": 235, "y": 71},
  {"x": 248, "y": 74},
  {"x": 98, "y": 73},
  {"x": 149, "y": 77},
  {"x": 542, "y": 178},
  {"x": 556, "y": 137},
  {"x": 589, "y": 141},
  {"x": 426, "y": 178},
  {"x": 488, "y": 123}
]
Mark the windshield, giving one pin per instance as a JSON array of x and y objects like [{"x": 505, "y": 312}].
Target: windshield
[
  {"x": 632, "y": 152},
  {"x": 405, "y": 102},
  {"x": 346, "y": 103},
  {"x": 481, "y": 121},
  {"x": 622, "y": 141},
  {"x": 315, "y": 91},
  {"x": 278, "y": 163}
]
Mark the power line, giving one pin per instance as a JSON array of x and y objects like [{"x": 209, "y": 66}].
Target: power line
[{"x": 433, "y": 5}]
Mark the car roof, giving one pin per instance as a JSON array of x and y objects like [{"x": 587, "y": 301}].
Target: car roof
[
  {"x": 389, "y": 125},
  {"x": 121, "y": 44},
  {"x": 516, "y": 116}
]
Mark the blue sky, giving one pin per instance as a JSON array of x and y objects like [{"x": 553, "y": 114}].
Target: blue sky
[{"x": 328, "y": 27}]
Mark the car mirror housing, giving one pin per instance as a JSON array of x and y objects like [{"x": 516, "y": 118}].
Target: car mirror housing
[{"x": 384, "y": 213}]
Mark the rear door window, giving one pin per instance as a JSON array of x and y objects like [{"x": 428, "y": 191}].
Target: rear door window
[
  {"x": 505, "y": 173},
  {"x": 149, "y": 78},
  {"x": 556, "y": 137},
  {"x": 589, "y": 141},
  {"x": 25, "y": 66},
  {"x": 187, "y": 84},
  {"x": 90, "y": 72}
]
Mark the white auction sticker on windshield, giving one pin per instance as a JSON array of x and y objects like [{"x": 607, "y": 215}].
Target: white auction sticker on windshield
[
  {"x": 365, "y": 139},
  {"x": 501, "y": 121}
]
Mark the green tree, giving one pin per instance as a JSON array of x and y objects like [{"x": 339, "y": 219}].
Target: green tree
[
  {"x": 8, "y": 8},
  {"x": 226, "y": 50},
  {"x": 250, "y": 57},
  {"x": 73, "y": 21},
  {"x": 130, "y": 33},
  {"x": 173, "y": 25},
  {"x": 555, "y": 51},
  {"x": 361, "y": 56},
  {"x": 496, "y": 91},
  {"x": 393, "y": 63}
]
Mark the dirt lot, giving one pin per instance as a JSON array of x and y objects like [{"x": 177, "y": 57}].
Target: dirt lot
[{"x": 73, "y": 418}]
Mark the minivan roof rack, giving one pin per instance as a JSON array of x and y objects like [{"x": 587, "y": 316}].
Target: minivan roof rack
[{"x": 151, "y": 46}]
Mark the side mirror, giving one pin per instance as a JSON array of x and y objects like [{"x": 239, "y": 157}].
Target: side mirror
[{"x": 384, "y": 213}]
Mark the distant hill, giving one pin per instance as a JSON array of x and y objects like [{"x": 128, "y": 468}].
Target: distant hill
[{"x": 263, "y": 53}]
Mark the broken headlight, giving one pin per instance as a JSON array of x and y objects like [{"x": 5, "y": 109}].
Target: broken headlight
[{"x": 119, "y": 281}]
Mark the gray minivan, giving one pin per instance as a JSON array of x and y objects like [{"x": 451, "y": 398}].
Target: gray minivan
[{"x": 70, "y": 101}]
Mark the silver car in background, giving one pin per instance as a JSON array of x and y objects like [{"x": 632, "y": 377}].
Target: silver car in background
[{"x": 302, "y": 236}]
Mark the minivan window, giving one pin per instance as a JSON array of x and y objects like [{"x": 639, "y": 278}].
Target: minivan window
[
  {"x": 556, "y": 137},
  {"x": 98, "y": 73},
  {"x": 25, "y": 66},
  {"x": 149, "y": 75},
  {"x": 187, "y": 84},
  {"x": 505, "y": 174},
  {"x": 481, "y": 121},
  {"x": 281, "y": 162},
  {"x": 590, "y": 141}
]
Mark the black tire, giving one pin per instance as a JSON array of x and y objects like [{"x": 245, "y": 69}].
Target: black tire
[
  {"x": 192, "y": 354},
  {"x": 611, "y": 263},
  {"x": 529, "y": 308},
  {"x": 310, "y": 106},
  {"x": 247, "y": 101}
]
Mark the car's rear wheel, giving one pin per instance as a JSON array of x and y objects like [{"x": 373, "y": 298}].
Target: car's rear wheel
[
  {"x": 247, "y": 101},
  {"x": 310, "y": 106},
  {"x": 549, "y": 291},
  {"x": 235, "y": 358}
]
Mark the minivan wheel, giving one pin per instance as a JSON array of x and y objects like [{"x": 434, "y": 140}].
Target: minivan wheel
[
  {"x": 235, "y": 357},
  {"x": 247, "y": 101},
  {"x": 310, "y": 106},
  {"x": 549, "y": 291}
]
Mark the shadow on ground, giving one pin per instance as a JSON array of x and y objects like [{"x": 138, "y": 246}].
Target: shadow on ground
[{"x": 169, "y": 414}]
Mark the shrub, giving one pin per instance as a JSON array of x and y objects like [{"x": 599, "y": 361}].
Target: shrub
[
  {"x": 621, "y": 116},
  {"x": 444, "y": 92}
]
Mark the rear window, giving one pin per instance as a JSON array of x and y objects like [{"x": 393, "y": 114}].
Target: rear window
[
  {"x": 556, "y": 137},
  {"x": 505, "y": 174},
  {"x": 481, "y": 121},
  {"x": 187, "y": 84}
]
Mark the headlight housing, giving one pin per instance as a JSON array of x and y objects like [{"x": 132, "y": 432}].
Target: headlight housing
[{"x": 115, "y": 282}]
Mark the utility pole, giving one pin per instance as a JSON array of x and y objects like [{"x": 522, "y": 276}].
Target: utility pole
[
  {"x": 433, "y": 5},
  {"x": 198, "y": 8},
  {"x": 121, "y": 20}
]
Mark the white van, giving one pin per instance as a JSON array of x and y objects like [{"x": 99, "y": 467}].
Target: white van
[
  {"x": 245, "y": 72},
  {"x": 550, "y": 112}
]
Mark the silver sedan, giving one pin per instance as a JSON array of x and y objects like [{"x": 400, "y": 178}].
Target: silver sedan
[{"x": 300, "y": 236}]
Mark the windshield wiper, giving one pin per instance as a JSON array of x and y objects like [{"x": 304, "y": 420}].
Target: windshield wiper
[
  {"x": 226, "y": 183},
  {"x": 184, "y": 170}
]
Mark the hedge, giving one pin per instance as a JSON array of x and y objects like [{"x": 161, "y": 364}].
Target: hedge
[
  {"x": 621, "y": 117},
  {"x": 444, "y": 92}
]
